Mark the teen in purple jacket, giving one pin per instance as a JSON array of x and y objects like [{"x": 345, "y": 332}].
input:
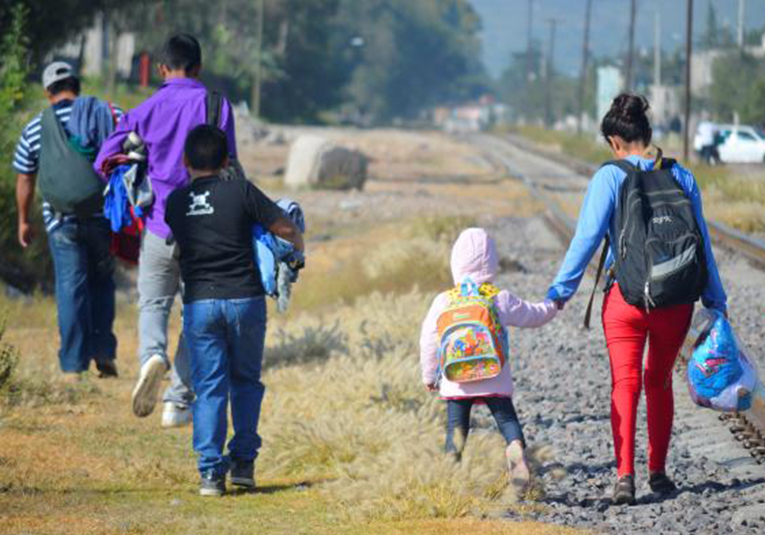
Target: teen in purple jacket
[{"x": 163, "y": 122}]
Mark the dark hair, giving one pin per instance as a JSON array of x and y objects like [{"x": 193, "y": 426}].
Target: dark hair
[
  {"x": 182, "y": 51},
  {"x": 67, "y": 84},
  {"x": 206, "y": 148},
  {"x": 628, "y": 119}
]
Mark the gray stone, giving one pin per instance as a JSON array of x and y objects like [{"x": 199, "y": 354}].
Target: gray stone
[{"x": 316, "y": 162}]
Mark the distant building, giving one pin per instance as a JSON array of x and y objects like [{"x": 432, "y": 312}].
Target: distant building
[
  {"x": 610, "y": 84},
  {"x": 703, "y": 65},
  {"x": 665, "y": 103},
  {"x": 93, "y": 47}
]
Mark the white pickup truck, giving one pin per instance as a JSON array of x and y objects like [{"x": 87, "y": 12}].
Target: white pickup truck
[{"x": 741, "y": 144}]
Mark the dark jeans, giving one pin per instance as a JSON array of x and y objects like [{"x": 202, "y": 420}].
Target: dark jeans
[
  {"x": 458, "y": 418},
  {"x": 225, "y": 339},
  {"x": 84, "y": 270}
]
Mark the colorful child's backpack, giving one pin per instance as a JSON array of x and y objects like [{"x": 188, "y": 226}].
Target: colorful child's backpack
[{"x": 473, "y": 343}]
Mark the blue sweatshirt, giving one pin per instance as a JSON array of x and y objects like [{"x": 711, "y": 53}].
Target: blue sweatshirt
[{"x": 596, "y": 217}]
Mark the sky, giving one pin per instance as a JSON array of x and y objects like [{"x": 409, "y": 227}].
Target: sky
[{"x": 505, "y": 22}]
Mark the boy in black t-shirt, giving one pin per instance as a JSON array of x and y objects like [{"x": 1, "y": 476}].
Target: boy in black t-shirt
[{"x": 224, "y": 309}]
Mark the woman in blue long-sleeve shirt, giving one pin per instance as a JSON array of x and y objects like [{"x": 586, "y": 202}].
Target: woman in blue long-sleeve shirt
[{"x": 627, "y": 130}]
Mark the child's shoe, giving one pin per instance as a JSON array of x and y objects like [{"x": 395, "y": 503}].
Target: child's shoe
[
  {"x": 517, "y": 466},
  {"x": 243, "y": 474},
  {"x": 211, "y": 484}
]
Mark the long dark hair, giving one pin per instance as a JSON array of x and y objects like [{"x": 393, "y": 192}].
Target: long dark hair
[{"x": 628, "y": 119}]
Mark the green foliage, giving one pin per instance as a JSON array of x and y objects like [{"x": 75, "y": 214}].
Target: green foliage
[
  {"x": 51, "y": 23},
  {"x": 416, "y": 54},
  {"x": 528, "y": 96},
  {"x": 738, "y": 87},
  {"x": 377, "y": 59},
  {"x": 13, "y": 62},
  {"x": 25, "y": 269}
]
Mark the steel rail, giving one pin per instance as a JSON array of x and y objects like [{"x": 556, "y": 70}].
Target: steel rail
[{"x": 729, "y": 238}]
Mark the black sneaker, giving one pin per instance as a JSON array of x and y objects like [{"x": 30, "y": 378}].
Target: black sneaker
[
  {"x": 624, "y": 491},
  {"x": 661, "y": 484},
  {"x": 211, "y": 484},
  {"x": 106, "y": 369},
  {"x": 243, "y": 474}
]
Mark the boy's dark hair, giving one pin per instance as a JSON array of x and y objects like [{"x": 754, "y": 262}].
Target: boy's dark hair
[
  {"x": 182, "y": 51},
  {"x": 628, "y": 119},
  {"x": 206, "y": 148},
  {"x": 67, "y": 84}
]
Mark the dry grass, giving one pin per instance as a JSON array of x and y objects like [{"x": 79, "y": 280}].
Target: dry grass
[
  {"x": 352, "y": 444},
  {"x": 352, "y": 441}
]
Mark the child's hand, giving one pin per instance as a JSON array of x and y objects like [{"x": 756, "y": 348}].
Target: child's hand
[
  {"x": 432, "y": 387},
  {"x": 559, "y": 304}
]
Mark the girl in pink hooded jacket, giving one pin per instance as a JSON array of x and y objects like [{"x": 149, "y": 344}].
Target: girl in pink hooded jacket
[{"x": 474, "y": 257}]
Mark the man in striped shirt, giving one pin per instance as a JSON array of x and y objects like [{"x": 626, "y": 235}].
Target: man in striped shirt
[{"x": 79, "y": 244}]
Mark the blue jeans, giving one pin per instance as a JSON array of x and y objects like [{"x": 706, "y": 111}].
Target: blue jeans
[
  {"x": 458, "y": 419},
  {"x": 84, "y": 270},
  {"x": 225, "y": 339}
]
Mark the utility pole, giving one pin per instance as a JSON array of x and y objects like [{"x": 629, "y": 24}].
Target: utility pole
[
  {"x": 530, "y": 41},
  {"x": 259, "y": 64},
  {"x": 550, "y": 72},
  {"x": 741, "y": 14},
  {"x": 631, "y": 47},
  {"x": 585, "y": 61},
  {"x": 688, "y": 56},
  {"x": 657, "y": 49}
]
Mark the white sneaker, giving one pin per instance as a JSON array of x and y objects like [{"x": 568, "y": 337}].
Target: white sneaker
[
  {"x": 517, "y": 467},
  {"x": 146, "y": 389},
  {"x": 174, "y": 415}
]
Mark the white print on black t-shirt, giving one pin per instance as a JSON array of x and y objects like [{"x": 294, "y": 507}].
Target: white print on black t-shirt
[{"x": 199, "y": 204}]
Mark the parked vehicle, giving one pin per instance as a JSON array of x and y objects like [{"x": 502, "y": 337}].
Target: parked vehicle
[{"x": 741, "y": 144}]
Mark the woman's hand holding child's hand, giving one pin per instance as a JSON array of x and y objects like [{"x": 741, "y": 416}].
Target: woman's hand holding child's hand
[{"x": 432, "y": 387}]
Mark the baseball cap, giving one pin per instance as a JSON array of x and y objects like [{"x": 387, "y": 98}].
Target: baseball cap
[{"x": 55, "y": 72}]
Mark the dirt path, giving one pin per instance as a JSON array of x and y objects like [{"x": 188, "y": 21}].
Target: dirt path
[{"x": 75, "y": 460}]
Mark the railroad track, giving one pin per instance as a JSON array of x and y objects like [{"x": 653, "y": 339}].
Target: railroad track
[{"x": 748, "y": 428}]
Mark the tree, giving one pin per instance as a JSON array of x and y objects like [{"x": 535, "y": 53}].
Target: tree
[
  {"x": 54, "y": 22},
  {"x": 737, "y": 87},
  {"x": 385, "y": 58},
  {"x": 711, "y": 37},
  {"x": 416, "y": 55},
  {"x": 24, "y": 269}
]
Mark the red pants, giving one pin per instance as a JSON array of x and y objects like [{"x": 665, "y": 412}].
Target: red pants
[{"x": 627, "y": 328}]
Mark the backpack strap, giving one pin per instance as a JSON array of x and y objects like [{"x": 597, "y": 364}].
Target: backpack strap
[
  {"x": 601, "y": 265},
  {"x": 625, "y": 165},
  {"x": 214, "y": 103}
]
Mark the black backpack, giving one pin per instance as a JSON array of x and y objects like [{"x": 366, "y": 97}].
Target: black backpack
[
  {"x": 659, "y": 251},
  {"x": 214, "y": 103}
]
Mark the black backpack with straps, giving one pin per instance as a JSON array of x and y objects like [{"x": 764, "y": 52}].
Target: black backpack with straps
[
  {"x": 660, "y": 258},
  {"x": 214, "y": 103}
]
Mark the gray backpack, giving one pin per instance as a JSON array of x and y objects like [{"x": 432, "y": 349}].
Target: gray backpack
[{"x": 66, "y": 178}]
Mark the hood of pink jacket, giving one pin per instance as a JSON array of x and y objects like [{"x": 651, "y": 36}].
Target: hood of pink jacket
[{"x": 474, "y": 255}]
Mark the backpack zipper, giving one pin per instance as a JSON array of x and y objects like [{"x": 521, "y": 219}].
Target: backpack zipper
[{"x": 647, "y": 295}]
